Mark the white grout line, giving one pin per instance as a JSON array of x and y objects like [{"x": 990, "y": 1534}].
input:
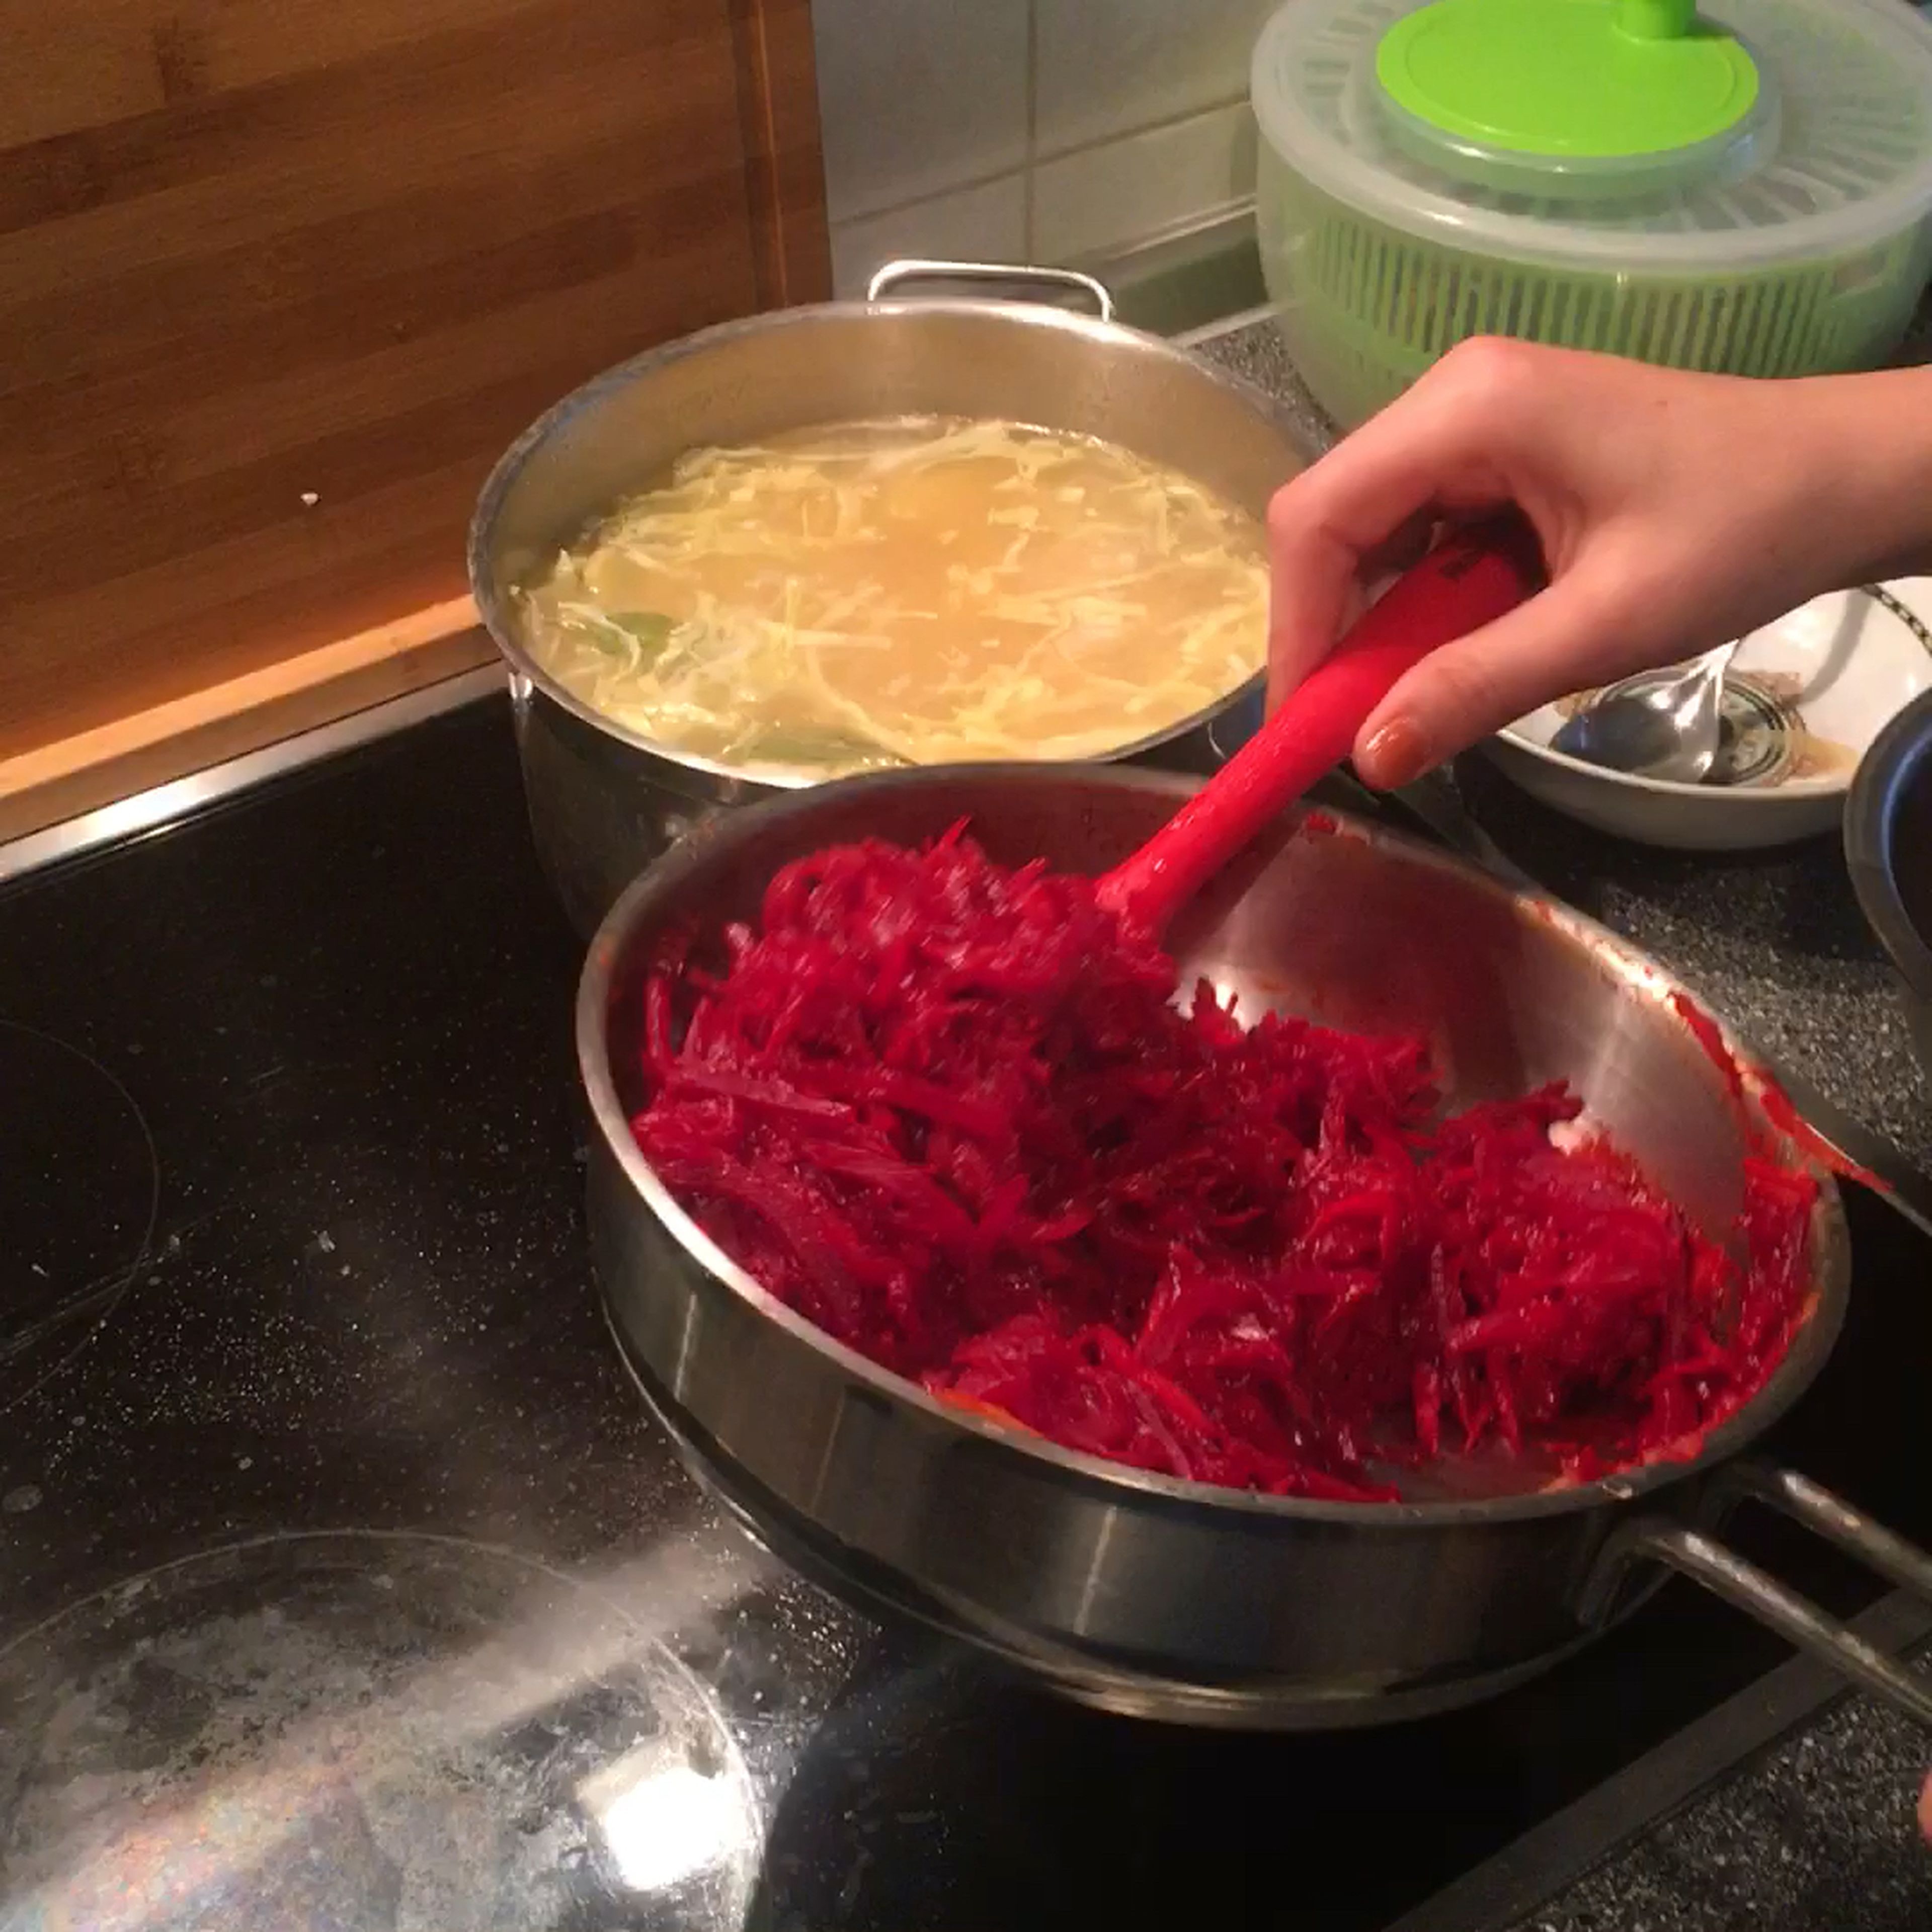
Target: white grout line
[
  {"x": 1035, "y": 157},
  {"x": 1094, "y": 142},
  {"x": 965, "y": 186}
]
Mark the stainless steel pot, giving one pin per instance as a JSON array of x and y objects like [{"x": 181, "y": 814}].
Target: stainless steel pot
[
  {"x": 1142, "y": 1594},
  {"x": 605, "y": 801},
  {"x": 1888, "y": 849}
]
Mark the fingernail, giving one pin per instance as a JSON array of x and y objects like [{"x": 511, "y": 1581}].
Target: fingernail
[{"x": 1396, "y": 756}]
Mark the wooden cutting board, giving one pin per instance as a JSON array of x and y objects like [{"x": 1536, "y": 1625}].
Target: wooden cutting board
[{"x": 278, "y": 282}]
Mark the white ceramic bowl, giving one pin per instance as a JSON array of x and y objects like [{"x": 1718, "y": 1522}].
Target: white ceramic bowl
[{"x": 1803, "y": 698}]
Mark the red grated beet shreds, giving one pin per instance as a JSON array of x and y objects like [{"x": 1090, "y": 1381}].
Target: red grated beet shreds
[{"x": 952, "y": 1114}]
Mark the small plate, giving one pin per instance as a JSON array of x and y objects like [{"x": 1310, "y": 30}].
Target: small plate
[{"x": 1803, "y": 698}]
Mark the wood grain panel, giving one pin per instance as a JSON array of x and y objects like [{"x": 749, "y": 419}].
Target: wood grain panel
[
  {"x": 146, "y": 749},
  {"x": 103, "y": 60},
  {"x": 785, "y": 174},
  {"x": 278, "y": 283}
]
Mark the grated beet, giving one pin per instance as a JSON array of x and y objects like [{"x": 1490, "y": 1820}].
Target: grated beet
[{"x": 953, "y": 1114}]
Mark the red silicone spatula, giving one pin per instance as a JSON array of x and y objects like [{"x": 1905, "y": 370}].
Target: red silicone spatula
[{"x": 1471, "y": 576}]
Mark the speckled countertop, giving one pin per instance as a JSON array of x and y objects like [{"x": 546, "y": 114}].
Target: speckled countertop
[
  {"x": 1790, "y": 1845},
  {"x": 1773, "y": 941}
]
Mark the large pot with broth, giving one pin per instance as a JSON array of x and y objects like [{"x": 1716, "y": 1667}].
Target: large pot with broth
[{"x": 867, "y": 535}]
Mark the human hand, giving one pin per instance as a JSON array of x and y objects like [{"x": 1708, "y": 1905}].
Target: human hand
[
  {"x": 1676, "y": 511},
  {"x": 1925, "y": 1809}
]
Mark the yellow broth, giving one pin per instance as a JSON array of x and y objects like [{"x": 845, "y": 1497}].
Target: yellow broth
[{"x": 918, "y": 592}]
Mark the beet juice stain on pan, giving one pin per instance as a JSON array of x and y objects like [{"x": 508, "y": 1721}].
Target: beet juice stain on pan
[{"x": 1157, "y": 1596}]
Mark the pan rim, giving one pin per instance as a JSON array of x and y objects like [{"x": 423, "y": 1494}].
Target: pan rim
[{"x": 1810, "y": 1348}]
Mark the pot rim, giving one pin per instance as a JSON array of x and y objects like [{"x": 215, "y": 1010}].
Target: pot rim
[
  {"x": 1871, "y": 821},
  {"x": 526, "y": 674},
  {"x": 1810, "y": 1349}
]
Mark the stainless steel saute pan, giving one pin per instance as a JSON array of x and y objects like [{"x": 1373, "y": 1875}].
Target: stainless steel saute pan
[{"x": 1147, "y": 1595}]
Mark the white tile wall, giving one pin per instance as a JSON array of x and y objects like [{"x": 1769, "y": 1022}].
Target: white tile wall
[
  {"x": 1125, "y": 190},
  {"x": 918, "y": 97},
  {"x": 1045, "y": 129},
  {"x": 986, "y": 223},
  {"x": 1104, "y": 67}
]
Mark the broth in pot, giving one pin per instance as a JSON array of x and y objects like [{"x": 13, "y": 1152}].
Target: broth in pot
[{"x": 924, "y": 591}]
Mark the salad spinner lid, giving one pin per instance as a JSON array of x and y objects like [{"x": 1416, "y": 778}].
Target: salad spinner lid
[
  {"x": 1573, "y": 85},
  {"x": 1744, "y": 133}
]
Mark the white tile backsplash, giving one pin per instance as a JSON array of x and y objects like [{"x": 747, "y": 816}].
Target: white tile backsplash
[
  {"x": 918, "y": 97},
  {"x": 1128, "y": 190},
  {"x": 1043, "y": 129},
  {"x": 986, "y": 223},
  {"x": 1104, "y": 67}
]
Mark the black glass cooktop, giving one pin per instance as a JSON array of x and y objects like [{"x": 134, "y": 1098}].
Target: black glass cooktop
[{"x": 344, "y": 1583}]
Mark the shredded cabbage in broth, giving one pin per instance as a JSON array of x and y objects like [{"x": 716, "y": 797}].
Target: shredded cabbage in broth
[{"x": 917, "y": 592}]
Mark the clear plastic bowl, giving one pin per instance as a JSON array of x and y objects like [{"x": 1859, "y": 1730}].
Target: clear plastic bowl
[{"x": 1800, "y": 248}]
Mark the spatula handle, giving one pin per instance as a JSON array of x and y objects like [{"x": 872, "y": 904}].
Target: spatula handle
[{"x": 1472, "y": 576}]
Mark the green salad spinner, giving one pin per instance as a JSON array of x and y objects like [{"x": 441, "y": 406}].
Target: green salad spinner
[{"x": 1746, "y": 187}]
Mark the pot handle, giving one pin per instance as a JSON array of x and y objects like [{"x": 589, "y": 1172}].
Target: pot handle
[
  {"x": 899, "y": 274},
  {"x": 1701, "y": 1556}
]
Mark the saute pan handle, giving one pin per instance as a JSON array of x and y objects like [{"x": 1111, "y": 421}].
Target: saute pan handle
[
  {"x": 897, "y": 274},
  {"x": 1699, "y": 1556}
]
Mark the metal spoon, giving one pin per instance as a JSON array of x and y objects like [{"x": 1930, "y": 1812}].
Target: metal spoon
[{"x": 1658, "y": 724}]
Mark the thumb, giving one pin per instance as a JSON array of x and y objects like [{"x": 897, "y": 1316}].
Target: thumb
[
  {"x": 1581, "y": 631},
  {"x": 1367, "y": 505},
  {"x": 1925, "y": 1809},
  {"x": 1318, "y": 587}
]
